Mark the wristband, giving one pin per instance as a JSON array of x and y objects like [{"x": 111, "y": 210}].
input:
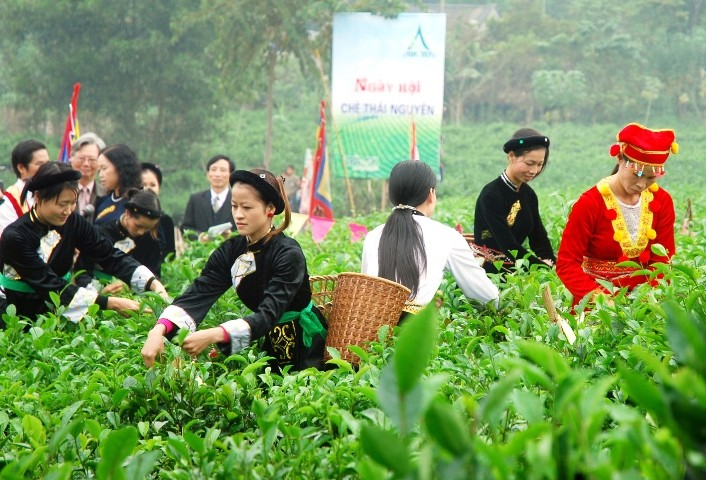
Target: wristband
[{"x": 168, "y": 325}]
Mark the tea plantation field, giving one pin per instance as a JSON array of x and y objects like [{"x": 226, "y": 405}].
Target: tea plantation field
[{"x": 460, "y": 392}]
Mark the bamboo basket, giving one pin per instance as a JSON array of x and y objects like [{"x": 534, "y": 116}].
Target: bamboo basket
[
  {"x": 361, "y": 305},
  {"x": 322, "y": 287}
]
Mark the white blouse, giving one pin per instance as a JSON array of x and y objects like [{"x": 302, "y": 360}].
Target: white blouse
[{"x": 445, "y": 249}]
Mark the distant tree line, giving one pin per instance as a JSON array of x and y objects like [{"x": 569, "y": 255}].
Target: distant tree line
[{"x": 162, "y": 75}]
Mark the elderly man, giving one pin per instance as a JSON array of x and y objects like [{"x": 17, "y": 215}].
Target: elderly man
[{"x": 84, "y": 158}]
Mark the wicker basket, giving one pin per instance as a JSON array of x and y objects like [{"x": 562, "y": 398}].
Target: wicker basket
[
  {"x": 361, "y": 305},
  {"x": 322, "y": 287}
]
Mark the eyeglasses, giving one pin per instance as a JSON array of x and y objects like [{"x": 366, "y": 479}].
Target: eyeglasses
[{"x": 87, "y": 159}]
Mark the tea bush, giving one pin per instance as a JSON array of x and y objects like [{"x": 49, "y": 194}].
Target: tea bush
[{"x": 461, "y": 392}]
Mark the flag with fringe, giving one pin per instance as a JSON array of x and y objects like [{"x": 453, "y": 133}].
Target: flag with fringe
[{"x": 321, "y": 183}]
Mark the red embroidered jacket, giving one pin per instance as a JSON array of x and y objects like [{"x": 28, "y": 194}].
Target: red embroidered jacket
[{"x": 596, "y": 238}]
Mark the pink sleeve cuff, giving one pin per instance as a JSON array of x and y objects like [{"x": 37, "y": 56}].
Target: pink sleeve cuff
[
  {"x": 226, "y": 337},
  {"x": 168, "y": 325}
]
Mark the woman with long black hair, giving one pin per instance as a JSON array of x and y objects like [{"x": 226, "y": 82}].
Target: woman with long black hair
[{"x": 412, "y": 249}]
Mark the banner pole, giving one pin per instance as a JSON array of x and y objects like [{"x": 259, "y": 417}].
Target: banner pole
[{"x": 317, "y": 60}]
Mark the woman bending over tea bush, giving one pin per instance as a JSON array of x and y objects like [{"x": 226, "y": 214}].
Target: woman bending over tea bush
[
  {"x": 620, "y": 218},
  {"x": 412, "y": 249},
  {"x": 38, "y": 252},
  {"x": 268, "y": 272}
]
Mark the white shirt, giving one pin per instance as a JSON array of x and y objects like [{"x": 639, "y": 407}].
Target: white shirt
[
  {"x": 446, "y": 250},
  {"x": 221, "y": 197}
]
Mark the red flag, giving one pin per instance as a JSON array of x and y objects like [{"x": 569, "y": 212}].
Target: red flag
[
  {"x": 321, "y": 183},
  {"x": 414, "y": 151},
  {"x": 71, "y": 130}
]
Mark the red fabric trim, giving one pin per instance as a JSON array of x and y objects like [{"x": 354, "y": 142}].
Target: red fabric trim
[{"x": 15, "y": 204}]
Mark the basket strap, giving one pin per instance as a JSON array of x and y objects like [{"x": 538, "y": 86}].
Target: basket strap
[{"x": 308, "y": 320}]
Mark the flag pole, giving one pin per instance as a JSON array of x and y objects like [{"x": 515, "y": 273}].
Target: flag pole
[{"x": 317, "y": 61}]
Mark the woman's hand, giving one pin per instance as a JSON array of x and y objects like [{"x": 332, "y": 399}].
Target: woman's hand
[
  {"x": 122, "y": 304},
  {"x": 157, "y": 287},
  {"x": 197, "y": 342},
  {"x": 114, "y": 287},
  {"x": 154, "y": 345}
]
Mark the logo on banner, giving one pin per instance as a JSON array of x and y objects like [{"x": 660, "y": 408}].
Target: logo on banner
[{"x": 418, "y": 47}]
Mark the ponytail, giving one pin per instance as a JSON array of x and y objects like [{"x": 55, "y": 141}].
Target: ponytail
[{"x": 402, "y": 257}]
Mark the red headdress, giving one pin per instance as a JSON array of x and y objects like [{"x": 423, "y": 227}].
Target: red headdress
[{"x": 645, "y": 146}]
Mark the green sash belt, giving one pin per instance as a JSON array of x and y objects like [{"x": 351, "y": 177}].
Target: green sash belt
[
  {"x": 101, "y": 275},
  {"x": 22, "y": 286},
  {"x": 308, "y": 320}
]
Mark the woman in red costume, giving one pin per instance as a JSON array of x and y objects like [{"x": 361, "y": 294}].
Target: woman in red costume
[{"x": 620, "y": 218}]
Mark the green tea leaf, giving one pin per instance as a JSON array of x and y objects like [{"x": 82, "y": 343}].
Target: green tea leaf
[
  {"x": 385, "y": 448},
  {"x": 446, "y": 426},
  {"x": 34, "y": 430},
  {"x": 687, "y": 337},
  {"x": 114, "y": 450},
  {"x": 492, "y": 406},
  {"x": 195, "y": 442},
  {"x": 414, "y": 347},
  {"x": 644, "y": 392},
  {"x": 142, "y": 464},
  {"x": 545, "y": 357}
]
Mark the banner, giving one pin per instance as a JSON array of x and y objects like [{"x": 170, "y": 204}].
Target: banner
[
  {"x": 387, "y": 76},
  {"x": 71, "y": 130}
]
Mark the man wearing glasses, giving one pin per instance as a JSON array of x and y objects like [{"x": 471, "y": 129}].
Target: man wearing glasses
[{"x": 84, "y": 158}]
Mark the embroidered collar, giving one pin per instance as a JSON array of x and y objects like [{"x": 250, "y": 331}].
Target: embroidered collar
[
  {"x": 645, "y": 232},
  {"x": 506, "y": 180}
]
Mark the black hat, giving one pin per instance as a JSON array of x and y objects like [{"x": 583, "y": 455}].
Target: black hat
[
  {"x": 52, "y": 179},
  {"x": 259, "y": 181},
  {"x": 524, "y": 143}
]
